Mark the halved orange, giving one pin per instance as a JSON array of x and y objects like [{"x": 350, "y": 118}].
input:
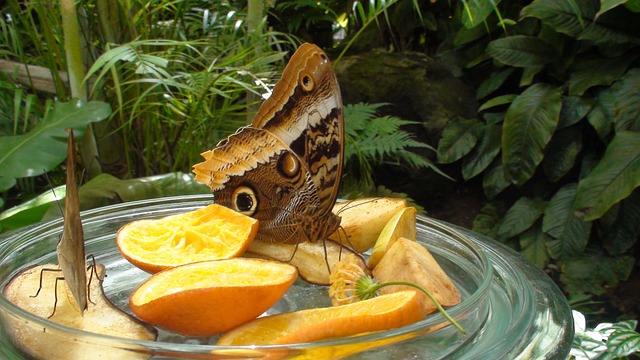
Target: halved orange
[
  {"x": 210, "y": 233},
  {"x": 381, "y": 313},
  {"x": 210, "y": 297}
]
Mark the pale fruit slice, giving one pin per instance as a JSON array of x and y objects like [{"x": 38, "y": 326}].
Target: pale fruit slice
[
  {"x": 311, "y": 258},
  {"x": 363, "y": 220},
  {"x": 380, "y": 313},
  {"x": 210, "y": 297},
  {"x": 210, "y": 233},
  {"x": 402, "y": 224},
  {"x": 101, "y": 317},
  {"x": 410, "y": 261}
]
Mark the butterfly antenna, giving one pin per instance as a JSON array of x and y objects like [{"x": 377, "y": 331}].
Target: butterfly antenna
[
  {"x": 53, "y": 191},
  {"x": 349, "y": 204}
]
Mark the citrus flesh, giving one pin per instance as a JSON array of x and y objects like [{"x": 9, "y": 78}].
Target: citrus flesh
[
  {"x": 380, "y": 313},
  {"x": 211, "y": 297},
  {"x": 210, "y": 233}
]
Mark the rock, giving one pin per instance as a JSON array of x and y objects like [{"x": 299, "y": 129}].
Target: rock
[{"x": 418, "y": 88}]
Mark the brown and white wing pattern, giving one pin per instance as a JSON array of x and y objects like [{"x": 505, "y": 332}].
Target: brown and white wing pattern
[{"x": 285, "y": 168}]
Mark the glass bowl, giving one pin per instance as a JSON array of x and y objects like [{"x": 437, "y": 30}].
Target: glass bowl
[{"x": 508, "y": 306}]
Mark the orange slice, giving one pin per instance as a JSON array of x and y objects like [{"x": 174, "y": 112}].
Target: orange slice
[
  {"x": 211, "y": 233},
  {"x": 380, "y": 313},
  {"x": 210, "y": 297}
]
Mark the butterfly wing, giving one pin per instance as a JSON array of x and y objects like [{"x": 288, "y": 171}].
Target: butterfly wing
[
  {"x": 255, "y": 173},
  {"x": 285, "y": 168},
  {"x": 70, "y": 249},
  {"x": 306, "y": 112}
]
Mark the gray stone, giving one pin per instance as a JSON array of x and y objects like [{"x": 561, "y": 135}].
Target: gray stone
[{"x": 418, "y": 88}]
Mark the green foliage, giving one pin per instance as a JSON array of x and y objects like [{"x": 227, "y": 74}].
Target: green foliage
[
  {"x": 102, "y": 190},
  {"x": 45, "y": 146},
  {"x": 559, "y": 125},
  {"x": 175, "y": 73},
  {"x": 606, "y": 341},
  {"x": 372, "y": 141}
]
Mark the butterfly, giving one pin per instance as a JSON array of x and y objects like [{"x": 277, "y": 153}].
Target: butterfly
[
  {"x": 285, "y": 168},
  {"x": 70, "y": 249}
]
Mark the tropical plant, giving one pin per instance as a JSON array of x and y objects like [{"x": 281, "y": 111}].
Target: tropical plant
[
  {"x": 558, "y": 139},
  {"x": 373, "y": 141},
  {"x": 175, "y": 73},
  {"x": 605, "y": 341}
]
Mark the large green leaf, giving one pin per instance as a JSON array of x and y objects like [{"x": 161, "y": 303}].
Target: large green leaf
[
  {"x": 488, "y": 219},
  {"x": 528, "y": 126},
  {"x": 6, "y": 183},
  {"x": 574, "y": 109},
  {"x": 533, "y": 246},
  {"x": 520, "y": 217},
  {"x": 522, "y": 51},
  {"x": 624, "y": 95},
  {"x": 31, "y": 211},
  {"x": 476, "y": 11},
  {"x": 623, "y": 233},
  {"x": 45, "y": 146},
  {"x": 600, "y": 117},
  {"x": 465, "y": 36},
  {"x": 615, "y": 27},
  {"x": 592, "y": 272},
  {"x": 497, "y": 101},
  {"x": 613, "y": 179},
  {"x": 562, "y": 152},
  {"x": 458, "y": 138},
  {"x": 567, "y": 17},
  {"x": 494, "y": 181},
  {"x": 591, "y": 71},
  {"x": 569, "y": 233},
  {"x": 483, "y": 153},
  {"x": 623, "y": 342},
  {"x": 106, "y": 189},
  {"x": 606, "y": 5},
  {"x": 493, "y": 82},
  {"x": 102, "y": 190}
]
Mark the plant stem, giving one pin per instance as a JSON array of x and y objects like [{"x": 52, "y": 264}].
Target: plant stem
[
  {"x": 75, "y": 68},
  {"x": 73, "y": 48},
  {"x": 379, "y": 286}
]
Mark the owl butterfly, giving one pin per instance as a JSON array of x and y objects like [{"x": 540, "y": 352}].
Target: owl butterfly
[
  {"x": 70, "y": 249},
  {"x": 285, "y": 168}
]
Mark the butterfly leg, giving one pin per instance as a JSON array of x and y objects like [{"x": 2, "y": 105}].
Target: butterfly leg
[
  {"x": 55, "y": 296},
  {"x": 41, "y": 276},
  {"x": 326, "y": 256},
  {"x": 93, "y": 272},
  {"x": 293, "y": 253},
  {"x": 55, "y": 289}
]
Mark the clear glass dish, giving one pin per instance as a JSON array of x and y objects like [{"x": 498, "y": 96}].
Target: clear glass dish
[{"x": 509, "y": 309}]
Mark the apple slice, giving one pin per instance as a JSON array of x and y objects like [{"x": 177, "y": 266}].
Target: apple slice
[
  {"x": 101, "y": 317},
  {"x": 363, "y": 220},
  {"x": 310, "y": 258},
  {"x": 409, "y": 261},
  {"x": 402, "y": 224}
]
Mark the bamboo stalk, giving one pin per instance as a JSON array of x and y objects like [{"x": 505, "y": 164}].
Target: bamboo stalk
[{"x": 75, "y": 66}]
